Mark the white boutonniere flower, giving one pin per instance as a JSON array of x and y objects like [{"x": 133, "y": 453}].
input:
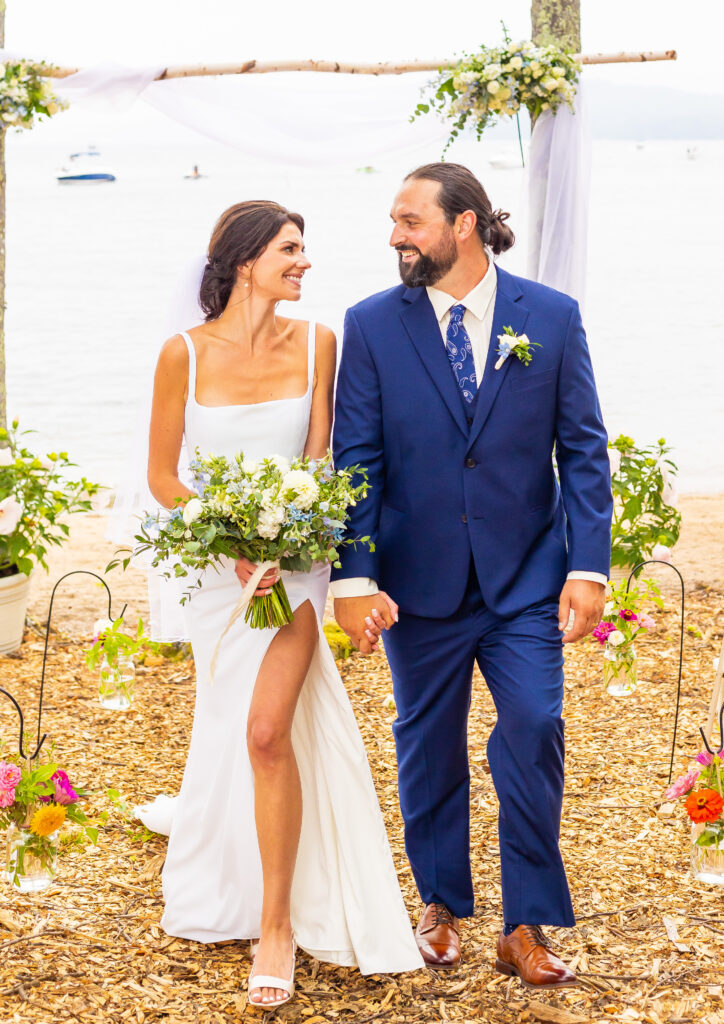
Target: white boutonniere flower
[{"x": 519, "y": 344}]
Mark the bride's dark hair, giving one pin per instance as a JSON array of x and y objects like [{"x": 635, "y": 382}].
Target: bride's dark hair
[{"x": 241, "y": 235}]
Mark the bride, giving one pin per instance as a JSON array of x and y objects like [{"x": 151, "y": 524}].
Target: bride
[{"x": 276, "y": 832}]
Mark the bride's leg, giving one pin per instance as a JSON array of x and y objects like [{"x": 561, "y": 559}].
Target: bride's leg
[{"x": 277, "y": 789}]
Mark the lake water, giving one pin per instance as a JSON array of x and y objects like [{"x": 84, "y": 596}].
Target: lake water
[{"x": 90, "y": 271}]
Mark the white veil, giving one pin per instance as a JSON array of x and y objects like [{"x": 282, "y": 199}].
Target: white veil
[{"x": 133, "y": 497}]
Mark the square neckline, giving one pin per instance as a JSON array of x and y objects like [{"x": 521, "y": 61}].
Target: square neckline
[{"x": 311, "y": 345}]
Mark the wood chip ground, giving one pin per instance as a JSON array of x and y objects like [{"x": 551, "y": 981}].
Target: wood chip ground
[{"x": 648, "y": 946}]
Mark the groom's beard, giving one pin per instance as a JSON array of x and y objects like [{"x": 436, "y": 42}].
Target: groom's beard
[{"x": 428, "y": 270}]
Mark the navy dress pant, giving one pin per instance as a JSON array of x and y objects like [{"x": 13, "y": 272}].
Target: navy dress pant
[{"x": 521, "y": 659}]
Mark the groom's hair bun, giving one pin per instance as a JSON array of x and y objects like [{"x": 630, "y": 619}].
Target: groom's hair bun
[
  {"x": 240, "y": 236},
  {"x": 459, "y": 191}
]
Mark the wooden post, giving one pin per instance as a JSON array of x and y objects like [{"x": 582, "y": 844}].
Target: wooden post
[
  {"x": 3, "y": 183},
  {"x": 557, "y": 23}
]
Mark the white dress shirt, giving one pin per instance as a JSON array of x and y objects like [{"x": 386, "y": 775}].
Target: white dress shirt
[{"x": 478, "y": 322}]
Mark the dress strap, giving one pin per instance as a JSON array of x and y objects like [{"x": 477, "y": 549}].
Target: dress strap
[
  {"x": 192, "y": 365},
  {"x": 311, "y": 350}
]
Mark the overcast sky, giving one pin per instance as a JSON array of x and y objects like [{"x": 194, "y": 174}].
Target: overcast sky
[{"x": 149, "y": 32}]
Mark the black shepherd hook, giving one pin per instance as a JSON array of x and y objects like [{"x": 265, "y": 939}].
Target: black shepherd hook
[
  {"x": 21, "y": 749},
  {"x": 85, "y": 572},
  {"x": 658, "y": 561},
  {"x": 721, "y": 733}
]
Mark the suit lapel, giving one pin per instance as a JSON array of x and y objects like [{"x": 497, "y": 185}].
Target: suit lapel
[
  {"x": 424, "y": 330},
  {"x": 508, "y": 312}
]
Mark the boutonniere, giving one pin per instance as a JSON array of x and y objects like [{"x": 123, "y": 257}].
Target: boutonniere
[{"x": 519, "y": 344}]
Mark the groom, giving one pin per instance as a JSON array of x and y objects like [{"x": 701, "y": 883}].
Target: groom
[{"x": 495, "y": 554}]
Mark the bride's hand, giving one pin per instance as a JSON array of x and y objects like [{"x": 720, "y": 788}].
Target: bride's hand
[{"x": 245, "y": 569}]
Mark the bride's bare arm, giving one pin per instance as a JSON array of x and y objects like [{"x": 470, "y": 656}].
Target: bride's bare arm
[
  {"x": 167, "y": 423},
  {"x": 320, "y": 419}
]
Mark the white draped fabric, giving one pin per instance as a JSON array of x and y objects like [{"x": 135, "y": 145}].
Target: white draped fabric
[{"x": 558, "y": 190}]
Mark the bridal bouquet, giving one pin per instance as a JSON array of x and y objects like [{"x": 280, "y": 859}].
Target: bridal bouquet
[{"x": 274, "y": 511}]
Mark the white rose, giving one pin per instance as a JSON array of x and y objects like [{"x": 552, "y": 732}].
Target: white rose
[
  {"x": 614, "y": 458},
  {"x": 493, "y": 87},
  {"x": 10, "y": 513},
  {"x": 516, "y": 63},
  {"x": 249, "y": 466},
  {"x": 608, "y": 608},
  {"x": 101, "y": 625},
  {"x": 304, "y": 486},
  {"x": 616, "y": 638},
  {"x": 6, "y": 457},
  {"x": 661, "y": 553},
  {"x": 192, "y": 510},
  {"x": 281, "y": 462}
]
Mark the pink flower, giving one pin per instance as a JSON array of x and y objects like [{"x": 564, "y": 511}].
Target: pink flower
[
  {"x": 603, "y": 630},
  {"x": 628, "y": 615},
  {"x": 646, "y": 622},
  {"x": 682, "y": 785},
  {"x": 7, "y": 797},
  {"x": 10, "y": 776},
  {"x": 705, "y": 758},
  {"x": 64, "y": 792}
]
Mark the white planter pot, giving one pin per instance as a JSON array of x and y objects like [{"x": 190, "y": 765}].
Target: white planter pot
[{"x": 14, "y": 597}]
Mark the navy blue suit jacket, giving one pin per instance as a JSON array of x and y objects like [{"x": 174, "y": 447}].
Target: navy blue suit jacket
[{"x": 443, "y": 491}]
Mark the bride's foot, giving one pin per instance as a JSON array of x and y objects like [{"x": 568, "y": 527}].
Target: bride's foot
[{"x": 271, "y": 982}]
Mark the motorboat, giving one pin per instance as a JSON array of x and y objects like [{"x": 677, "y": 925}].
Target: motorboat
[{"x": 84, "y": 168}]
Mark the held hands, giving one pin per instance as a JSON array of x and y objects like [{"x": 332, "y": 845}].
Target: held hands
[
  {"x": 245, "y": 569},
  {"x": 364, "y": 618},
  {"x": 586, "y": 600}
]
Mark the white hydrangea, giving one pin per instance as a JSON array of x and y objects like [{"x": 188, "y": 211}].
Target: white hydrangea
[
  {"x": 304, "y": 486},
  {"x": 270, "y": 522}
]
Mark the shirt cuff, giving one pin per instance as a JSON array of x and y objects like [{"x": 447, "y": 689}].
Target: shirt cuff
[
  {"x": 355, "y": 586},
  {"x": 592, "y": 577}
]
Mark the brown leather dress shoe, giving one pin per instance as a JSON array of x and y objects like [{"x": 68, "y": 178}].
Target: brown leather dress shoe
[
  {"x": 438, "y": 937},
  {"x": 526, "y": 954}
]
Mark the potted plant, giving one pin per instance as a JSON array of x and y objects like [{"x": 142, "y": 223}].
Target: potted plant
[
  {"x": 114, "y": 650},
  {"x": 36, "y": 496},
  {"x": 646, "y": 523},
  {"x": 36, "y": 800},
  {"x": 623, "y": 620}
]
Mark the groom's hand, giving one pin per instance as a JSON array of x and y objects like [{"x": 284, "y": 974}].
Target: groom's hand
[
  {"x": 586, "y": 600},
  {"x": 364, "y": 618}
]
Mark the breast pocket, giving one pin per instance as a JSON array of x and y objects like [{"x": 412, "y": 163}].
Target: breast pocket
[{"x": 526, "y": 381}]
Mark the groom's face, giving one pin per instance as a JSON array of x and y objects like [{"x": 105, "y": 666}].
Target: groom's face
[{"x": 422, "y": 235}]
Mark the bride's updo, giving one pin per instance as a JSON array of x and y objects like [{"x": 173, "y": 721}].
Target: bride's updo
[{"x": 240, "y": 236}]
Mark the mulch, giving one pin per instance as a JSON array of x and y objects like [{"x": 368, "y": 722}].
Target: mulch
[{"x": 648, "y": 946}]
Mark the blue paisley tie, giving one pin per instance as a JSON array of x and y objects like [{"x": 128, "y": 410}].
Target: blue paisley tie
[{"x": 460, "y": 353}]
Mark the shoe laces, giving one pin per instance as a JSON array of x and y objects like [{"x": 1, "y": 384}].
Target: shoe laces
[
  {"x": 535, "y": 933},
  {"x": 441, "y": 914}
]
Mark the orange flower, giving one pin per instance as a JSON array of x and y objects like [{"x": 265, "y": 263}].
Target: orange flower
[{"x": 704, "y": 805}]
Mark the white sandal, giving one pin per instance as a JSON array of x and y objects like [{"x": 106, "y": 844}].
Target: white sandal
[{"x": 259, "y": 981}]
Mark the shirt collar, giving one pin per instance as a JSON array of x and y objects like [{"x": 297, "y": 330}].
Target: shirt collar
[{"x": 477, "y": 300}]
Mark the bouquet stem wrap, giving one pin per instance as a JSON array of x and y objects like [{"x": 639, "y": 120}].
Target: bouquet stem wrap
[{"x": 246, "y": 603}]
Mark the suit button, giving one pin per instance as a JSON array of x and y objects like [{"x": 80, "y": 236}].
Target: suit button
[
  {"x": 470, "y": 420},
  {"x": 464, "y": 518},
  {"x": 470, "y": 463}
]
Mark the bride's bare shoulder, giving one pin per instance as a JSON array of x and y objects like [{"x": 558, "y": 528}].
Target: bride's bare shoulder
[{"x": 173, "y": 359}]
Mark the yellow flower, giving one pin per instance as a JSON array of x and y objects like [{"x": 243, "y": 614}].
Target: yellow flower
[{"x": 47, "y": 820}]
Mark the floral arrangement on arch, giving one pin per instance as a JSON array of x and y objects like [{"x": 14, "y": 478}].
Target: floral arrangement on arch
[
  {"x": 497, "y": 81},
  {"x": 25, "y": 95}
]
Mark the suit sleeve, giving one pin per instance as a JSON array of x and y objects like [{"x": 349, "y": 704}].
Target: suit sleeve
[
  {"x": 358, "y": 440},
  {"x": 582, "y": 457}
]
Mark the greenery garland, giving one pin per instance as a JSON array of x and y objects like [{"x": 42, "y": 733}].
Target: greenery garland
[
  {"x": 498, "y": 81},
  {"x": 25, "y": 95}
]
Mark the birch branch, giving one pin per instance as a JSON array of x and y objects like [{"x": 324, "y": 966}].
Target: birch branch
[{"x": 259, "y": 67}]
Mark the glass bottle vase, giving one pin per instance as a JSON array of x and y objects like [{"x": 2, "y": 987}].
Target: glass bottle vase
[
  {"x": 707, "y": 862},
  {"x": 619, "y": 669},
  {"x": 116, "y": 685},
  {"x": 31, "y": 861}
]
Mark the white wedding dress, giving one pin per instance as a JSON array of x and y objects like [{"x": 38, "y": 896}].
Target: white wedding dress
[{"x": 346, "y": 903}]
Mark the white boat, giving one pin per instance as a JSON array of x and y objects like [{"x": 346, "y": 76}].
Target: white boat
[{"x": 84, "y": 168}]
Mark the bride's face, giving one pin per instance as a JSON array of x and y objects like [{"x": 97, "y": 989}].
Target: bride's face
[{"x": 277, "y": 274}]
